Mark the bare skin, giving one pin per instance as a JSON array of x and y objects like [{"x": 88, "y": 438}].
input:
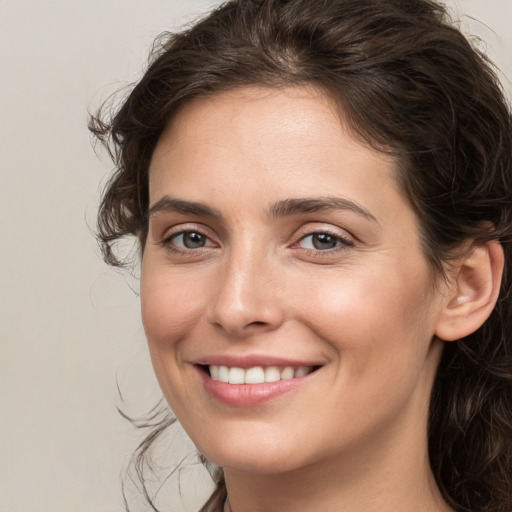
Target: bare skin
[{"x": 231, "y": 270}]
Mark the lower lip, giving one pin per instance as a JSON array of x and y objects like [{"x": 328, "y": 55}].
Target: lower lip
[{"x": 248, "y": 395}]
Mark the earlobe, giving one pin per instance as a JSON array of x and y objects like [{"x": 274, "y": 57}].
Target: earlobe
[{"x": 473, "y": 292}]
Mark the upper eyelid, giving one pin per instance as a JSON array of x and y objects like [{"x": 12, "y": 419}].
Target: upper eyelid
[
  {"x": 345, "y": 243},
  {"x": 180, "y": 228},
  {"x": 332, "y": 232},
  {"x": 334, "y": 235},
  {"x": 320, "y": 227},
  {"x": 303, "y": 231}
]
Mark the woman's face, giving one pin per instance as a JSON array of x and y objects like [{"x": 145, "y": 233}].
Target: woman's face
[{"x": 282, "y": 256}]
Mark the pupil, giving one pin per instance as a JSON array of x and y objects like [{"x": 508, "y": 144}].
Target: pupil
[
  {"x": 193, "y": 240},
  {"x": 324, "y": 241}
]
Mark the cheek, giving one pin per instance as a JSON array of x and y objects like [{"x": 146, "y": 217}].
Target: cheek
[
  {"x": 170, "y": 309},
  {"x": 379, "y": 334},
  {"x": 371, "y": 315},
  {"x": 170, "y": 305}
]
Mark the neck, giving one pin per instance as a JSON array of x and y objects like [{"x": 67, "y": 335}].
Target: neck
[{"x": 366, "y": 486}]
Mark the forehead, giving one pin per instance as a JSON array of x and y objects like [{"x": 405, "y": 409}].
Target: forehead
[
  {"x": 294, "y": 135},
  {"x": 251, "y": 116}
]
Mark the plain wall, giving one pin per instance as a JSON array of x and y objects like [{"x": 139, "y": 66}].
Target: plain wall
[{"x": 70, "y": 328}]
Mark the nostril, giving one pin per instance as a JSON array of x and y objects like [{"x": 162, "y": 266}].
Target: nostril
[{"x": 256, "y": 323}]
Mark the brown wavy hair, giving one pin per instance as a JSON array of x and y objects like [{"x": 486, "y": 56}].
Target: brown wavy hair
[{"x": 408, "y": 83}]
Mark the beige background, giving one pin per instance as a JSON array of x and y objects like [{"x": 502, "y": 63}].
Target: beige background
[{"x": 69, "y": 326}]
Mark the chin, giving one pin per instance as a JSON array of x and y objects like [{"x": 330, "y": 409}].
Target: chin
[
  {"x": 252, "y": 457},
  {"x": 259, "y": 464}
]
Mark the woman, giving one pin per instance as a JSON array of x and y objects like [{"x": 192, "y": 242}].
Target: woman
[{"x": 322, "y": 196}]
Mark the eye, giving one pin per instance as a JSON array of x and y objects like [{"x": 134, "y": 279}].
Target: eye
[
  {"x": 188, "y": 240},
  {"x": 322, "y": 241}
]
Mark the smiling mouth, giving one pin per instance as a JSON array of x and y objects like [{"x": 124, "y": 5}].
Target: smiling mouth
[{"x": 256, "y": 374}]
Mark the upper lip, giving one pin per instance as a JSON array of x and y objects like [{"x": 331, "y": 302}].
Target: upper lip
[{"x": 252, "y": 360}]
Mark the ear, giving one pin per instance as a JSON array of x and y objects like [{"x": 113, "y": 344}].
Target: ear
[{"x": 473, "y": 292}]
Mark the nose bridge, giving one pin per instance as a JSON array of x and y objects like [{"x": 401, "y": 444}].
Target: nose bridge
[{"x": 245, "y": 298}]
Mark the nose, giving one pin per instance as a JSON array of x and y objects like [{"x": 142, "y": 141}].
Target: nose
[{"x": 246, "y": 299}]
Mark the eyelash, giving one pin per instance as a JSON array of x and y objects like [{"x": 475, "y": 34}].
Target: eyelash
[
  {"x": 167, "y": 242},
  {"x": 343, "y": 243}
]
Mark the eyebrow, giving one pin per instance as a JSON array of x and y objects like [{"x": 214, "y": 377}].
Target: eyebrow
[
  {"x": 290, "y": 207},
  {"x": 170, "y": 204},
  {"x": 285, "y": 208}
]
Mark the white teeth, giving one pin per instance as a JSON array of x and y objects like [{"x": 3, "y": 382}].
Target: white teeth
[
  {"x": 272, "y": 374},
  {"x": 300, "y": 372},
  {"x": 256, "y": 374},
  {"x": 287, "y": 373},
  {"x": 223, "y": 374},
  {"x": 236, "y": 376},
  {"x": 214, "y": 370}
]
